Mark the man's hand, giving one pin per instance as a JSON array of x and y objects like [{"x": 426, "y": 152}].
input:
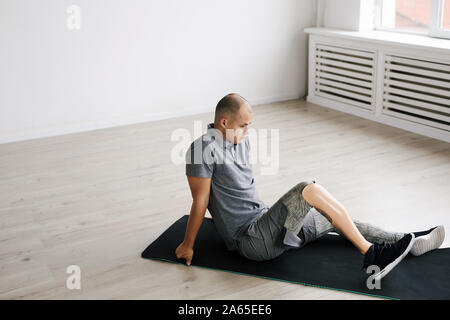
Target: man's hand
[{"x": 185, "y": 251}]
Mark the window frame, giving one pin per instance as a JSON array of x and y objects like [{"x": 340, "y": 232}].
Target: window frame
[{"x": 434, "y": 30}]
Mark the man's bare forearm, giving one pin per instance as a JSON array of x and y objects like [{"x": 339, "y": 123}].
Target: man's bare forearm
[{"x": 196, "y": 216}]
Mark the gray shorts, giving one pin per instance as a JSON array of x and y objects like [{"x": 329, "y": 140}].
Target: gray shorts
[{"x": 263, "y": 239}]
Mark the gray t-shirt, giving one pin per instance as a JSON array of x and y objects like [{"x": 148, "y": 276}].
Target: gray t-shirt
[{"x": 233, "y": 200}]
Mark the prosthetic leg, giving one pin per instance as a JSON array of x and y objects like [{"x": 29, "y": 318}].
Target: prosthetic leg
[{"x": 319, "y": 198}]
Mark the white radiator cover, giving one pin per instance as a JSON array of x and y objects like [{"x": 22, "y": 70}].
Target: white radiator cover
[
  {"x": 345, "y": 75},
  {"x": 417, "y": 90},
  {"x": 408, "y": 89}
]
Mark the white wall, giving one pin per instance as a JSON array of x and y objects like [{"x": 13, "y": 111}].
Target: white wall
[
  {"x": 341, "y": 14},
  {"x": 353, "y": 15},
  {"x": 140, "y": 60}
]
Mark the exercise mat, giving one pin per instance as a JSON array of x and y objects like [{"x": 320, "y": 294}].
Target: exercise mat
[{"x": 331, "y": 262}]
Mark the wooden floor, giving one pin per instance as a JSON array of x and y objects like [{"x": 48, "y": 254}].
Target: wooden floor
[{"x": 97, "y": 199}]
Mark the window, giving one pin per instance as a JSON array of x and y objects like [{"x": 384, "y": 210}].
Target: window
[{"x": 428, "y": 17}]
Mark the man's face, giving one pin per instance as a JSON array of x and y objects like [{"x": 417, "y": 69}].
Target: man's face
[{"x": 237, "y": 129}]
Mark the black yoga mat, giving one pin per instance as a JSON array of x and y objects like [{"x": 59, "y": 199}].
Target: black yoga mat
[{"x": 331, "y": 262}]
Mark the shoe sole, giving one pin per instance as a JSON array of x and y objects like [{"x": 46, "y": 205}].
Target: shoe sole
[
  {"x": 428, "y": 242},
  {"x": 389, "y": 267}
]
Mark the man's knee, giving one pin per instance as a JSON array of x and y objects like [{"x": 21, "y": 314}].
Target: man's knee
[
  {"x": 308, "y": 189},
  {"x": 309, "y": 194}
]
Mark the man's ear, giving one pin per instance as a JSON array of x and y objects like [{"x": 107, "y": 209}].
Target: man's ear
[{"x": 223, "y": 122}]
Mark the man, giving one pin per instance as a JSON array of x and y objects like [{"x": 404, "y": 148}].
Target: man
[{"x": 221, "y": 180}]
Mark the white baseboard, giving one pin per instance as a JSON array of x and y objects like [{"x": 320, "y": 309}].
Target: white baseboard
[
  {"x": 391, "y": 121},
  {"x": 62, "y": 129}
]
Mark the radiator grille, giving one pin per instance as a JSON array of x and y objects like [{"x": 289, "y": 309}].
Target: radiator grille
[
  {"x": 417, "y": 90},
  {"x": 345, "y": 75}
]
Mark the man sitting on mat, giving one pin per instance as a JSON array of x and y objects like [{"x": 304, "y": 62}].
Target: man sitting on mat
[{"x": 221, "y": 180}]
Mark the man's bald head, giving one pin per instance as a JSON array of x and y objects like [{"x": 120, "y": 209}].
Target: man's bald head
[{"x": 229, "y": 107}]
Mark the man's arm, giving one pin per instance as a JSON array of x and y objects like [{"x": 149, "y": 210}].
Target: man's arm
[{"x": 200, "y": 189}]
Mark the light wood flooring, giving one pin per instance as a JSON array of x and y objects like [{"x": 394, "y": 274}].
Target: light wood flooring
[{"x": 97, "y": 199}]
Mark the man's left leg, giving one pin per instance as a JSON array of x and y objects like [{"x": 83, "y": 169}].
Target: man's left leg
[
  {"x": 385, "y": 256},
  {"x": 319, "y": 198},
  {"x": 317, "y": 225},
  {"x": 320, "y": 226}
]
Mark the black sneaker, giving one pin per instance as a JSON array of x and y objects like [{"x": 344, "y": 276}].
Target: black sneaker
[
  {"x": 387, "y": 255},
  {"x": 428, "y": 240}
]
